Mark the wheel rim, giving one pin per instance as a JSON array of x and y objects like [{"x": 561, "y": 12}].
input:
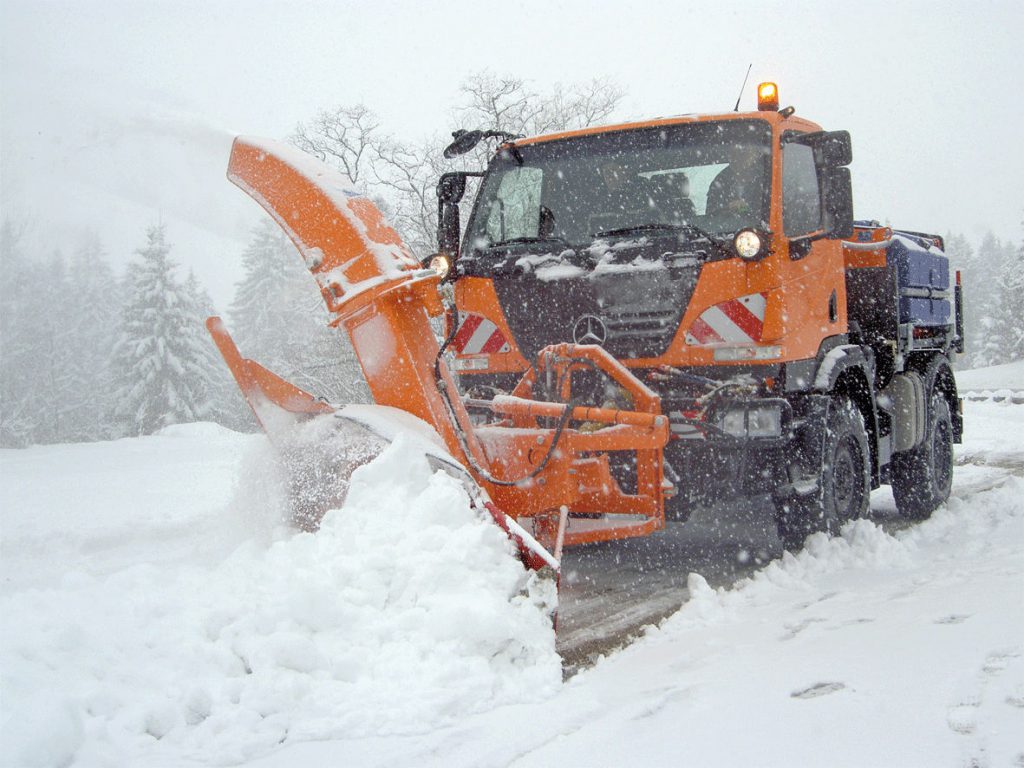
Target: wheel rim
[{"x": 844, "y": 480}]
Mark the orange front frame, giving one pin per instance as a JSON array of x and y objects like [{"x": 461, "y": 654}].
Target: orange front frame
[{"x": 578, "y": 476}]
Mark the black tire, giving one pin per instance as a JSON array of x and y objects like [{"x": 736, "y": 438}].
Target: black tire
[
  {"x": 923, "y": 476},
  {"x": 845, "y": 484}
]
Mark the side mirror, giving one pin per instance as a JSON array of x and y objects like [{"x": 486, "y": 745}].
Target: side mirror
[
  {"x": 448, "y": 233},
  {"x": 836, "y": 148},
  {"x": 838, "y": 203},
  {"x": 464, "y": 141},
  {"x": 831, "y": 148},
  {"x": 451, "y": 187}
]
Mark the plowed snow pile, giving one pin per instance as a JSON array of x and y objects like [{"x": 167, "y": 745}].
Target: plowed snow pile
[{"x": 406, "y": 611}]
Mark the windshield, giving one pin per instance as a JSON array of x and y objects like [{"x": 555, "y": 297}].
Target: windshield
[{"x": 710, "y": 175}]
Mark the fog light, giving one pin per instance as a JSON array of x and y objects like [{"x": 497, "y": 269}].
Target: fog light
[
  {"x": 752, "y": 420},
  {"x": 764, "y": 421},
  {"x": 728, "y": 354},
  {"x": 470, "y": 363},
  {"x": 734, "y": 422}
]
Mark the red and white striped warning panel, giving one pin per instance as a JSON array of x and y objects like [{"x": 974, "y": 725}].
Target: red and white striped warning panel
[
  {"x": 478, "y": 336},
  {"x": 737, "y": 321}
]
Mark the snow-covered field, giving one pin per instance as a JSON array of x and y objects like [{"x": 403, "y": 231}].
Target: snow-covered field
[{"x": 155, "y": 613}]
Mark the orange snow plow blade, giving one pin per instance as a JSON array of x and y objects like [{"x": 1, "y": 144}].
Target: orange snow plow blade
[{"x": 342, "y": 236}]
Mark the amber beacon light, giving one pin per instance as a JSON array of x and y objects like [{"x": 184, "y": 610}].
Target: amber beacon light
[{"x": 767, "y": 97}]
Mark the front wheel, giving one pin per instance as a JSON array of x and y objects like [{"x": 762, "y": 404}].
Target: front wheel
[
  {"x": 845, "y": 483},
  {"x": 923, "y": 476}
]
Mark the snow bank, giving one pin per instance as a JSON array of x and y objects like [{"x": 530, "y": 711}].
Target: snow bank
[
  {"x": 95, "y": 507},
  {"x": 1002, "y": 383},
  {"x": 405, "y": 612},
  {"x": 1006, "y": 376},
  {"x": 868, "y": 649}
]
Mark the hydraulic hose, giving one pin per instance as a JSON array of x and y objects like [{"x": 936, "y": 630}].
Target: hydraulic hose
[{"x": 446, "y": 397}]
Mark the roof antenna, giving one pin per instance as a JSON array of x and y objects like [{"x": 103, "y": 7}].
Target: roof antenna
[{"x": 737, "y": 107}]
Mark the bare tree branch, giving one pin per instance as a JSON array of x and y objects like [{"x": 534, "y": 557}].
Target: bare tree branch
[
  {"x": 401, "y": 176},
  {"x": 345, "y": 137}
]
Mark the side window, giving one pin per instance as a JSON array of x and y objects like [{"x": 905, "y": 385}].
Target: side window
[
  {"x": 801, "y": 199},
  {"x": 515, "y": 211}
]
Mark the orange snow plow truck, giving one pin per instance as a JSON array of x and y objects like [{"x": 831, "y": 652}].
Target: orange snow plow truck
[{"x": 639, "y": 320}]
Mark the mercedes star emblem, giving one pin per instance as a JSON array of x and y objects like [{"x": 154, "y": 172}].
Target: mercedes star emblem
[{"x": 589, "y": 329}]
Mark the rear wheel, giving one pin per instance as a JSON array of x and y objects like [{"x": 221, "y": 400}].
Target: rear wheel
[
  {"x": 923, "y": 476},
  {"x": 844, "y": 486}
]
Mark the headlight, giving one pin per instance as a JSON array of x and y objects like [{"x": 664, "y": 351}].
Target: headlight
[
  {"x": 734, "y": 422},
  {"x": 749, "y": 245},
  {"x": 440, "y": 265}
]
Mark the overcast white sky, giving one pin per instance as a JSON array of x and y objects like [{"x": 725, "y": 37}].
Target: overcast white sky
[{"x": 116, "y": 114}]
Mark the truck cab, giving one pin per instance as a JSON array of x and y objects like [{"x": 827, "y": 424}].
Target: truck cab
[{"x": 714, "y": 256}]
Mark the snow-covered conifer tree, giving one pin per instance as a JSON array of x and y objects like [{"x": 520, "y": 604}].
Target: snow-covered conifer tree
[
  {"x": 1008, "y": 315},
  {"x": 20, "y": 397},
  {"x": 160, "y": 364},
  {"x": 984, "y": 296},
  {"x": 259, "y": 317},
  {"x": 51, "y": 362},
  {"x": 93, "y": 305},
  {"x": 212, "y": 386}
]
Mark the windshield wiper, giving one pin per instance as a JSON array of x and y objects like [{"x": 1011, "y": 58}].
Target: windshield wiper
[
  {"x": 532, "y": 240},
  {"x": 676, "y": 228}
]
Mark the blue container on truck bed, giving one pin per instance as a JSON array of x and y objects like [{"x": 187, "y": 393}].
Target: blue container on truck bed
[{"x": 922, "y": 278}]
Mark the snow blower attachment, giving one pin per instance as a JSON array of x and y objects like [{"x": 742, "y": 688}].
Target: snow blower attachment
[{"x": 536, "y": 460}]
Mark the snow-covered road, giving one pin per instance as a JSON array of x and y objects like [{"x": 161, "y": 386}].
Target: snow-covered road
[{"x": 154, "y": 615}]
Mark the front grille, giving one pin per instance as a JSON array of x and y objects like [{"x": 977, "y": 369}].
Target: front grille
[
  {"x": 645, "y": 324},
  {"x": 640, "y": 312}
]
